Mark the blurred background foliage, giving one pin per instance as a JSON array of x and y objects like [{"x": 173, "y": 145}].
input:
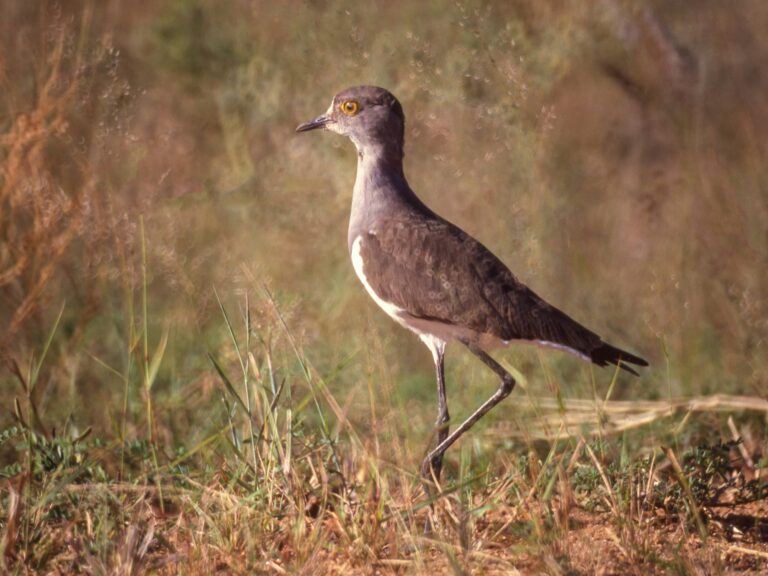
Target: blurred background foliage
[{"x": 613, "y": 153}]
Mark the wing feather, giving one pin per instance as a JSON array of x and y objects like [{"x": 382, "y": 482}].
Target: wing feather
[{"x": 435, "y": 271}]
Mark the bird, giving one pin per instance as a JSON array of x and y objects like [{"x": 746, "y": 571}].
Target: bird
[{"x": 431, "y": 276}]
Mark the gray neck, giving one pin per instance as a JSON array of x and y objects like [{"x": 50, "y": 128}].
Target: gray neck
[{"x": 380, "y": 186}]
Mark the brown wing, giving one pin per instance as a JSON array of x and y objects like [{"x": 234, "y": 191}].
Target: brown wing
[{"x": 435, "y": 271}]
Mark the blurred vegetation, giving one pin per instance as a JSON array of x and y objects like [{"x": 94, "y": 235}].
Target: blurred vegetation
[{"x": 612, "y": 153}]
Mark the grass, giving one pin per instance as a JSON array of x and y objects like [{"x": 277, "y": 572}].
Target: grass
[
  {"x": 285, "y": 482},
  {"x": 188, "y": 382}
]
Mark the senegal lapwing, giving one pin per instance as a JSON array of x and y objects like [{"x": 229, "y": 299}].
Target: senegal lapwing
[{"x": 432, "y": 277}]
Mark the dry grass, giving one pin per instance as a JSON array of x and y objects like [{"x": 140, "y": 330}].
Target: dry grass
[
  {"x": 562, "y": 418},
  {"x": 289, "y": 484},
  {"x": 189, "y": 382},
  {"x": 40, "y": 218}
]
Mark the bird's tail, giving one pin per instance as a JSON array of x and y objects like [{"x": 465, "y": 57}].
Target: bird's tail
[{"x": 607, "y": 354}]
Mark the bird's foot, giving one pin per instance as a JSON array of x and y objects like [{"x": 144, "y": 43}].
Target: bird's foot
[
  {"x": 430, "y": 476},
  {"x": 431, "y": 469},
  {"x": 429, "y": 525}
]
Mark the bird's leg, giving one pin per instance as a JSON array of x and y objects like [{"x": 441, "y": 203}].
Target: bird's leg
[
  {"x": 431, "y": 467},
  {"x": 507, "y": 384}
]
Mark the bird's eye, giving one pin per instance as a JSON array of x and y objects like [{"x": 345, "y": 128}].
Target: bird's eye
[{"x": 349, "y": 107}]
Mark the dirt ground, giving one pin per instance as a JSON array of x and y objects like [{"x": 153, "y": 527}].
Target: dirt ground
[{"x": 737, "y": 543}]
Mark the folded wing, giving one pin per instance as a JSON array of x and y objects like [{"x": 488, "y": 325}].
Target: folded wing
[{"x": 434, "y": 271}]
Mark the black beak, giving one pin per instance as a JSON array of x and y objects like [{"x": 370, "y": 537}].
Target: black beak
[{"x": 318, "y": 122}]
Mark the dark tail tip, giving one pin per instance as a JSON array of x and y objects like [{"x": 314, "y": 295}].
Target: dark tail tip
[{"x": 607, "y": 354}]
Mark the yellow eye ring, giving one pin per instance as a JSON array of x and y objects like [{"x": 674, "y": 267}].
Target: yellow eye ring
[{"x": 349, "y": 107}]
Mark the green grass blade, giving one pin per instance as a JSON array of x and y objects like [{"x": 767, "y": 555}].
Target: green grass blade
[
  {"x": 39, "y": 364},
  {"x": 227, "y": 382},
  {"x": 157, "y": 359}
]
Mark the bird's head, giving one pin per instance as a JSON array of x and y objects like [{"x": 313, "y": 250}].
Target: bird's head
[{"x": 367, "y": 115}]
